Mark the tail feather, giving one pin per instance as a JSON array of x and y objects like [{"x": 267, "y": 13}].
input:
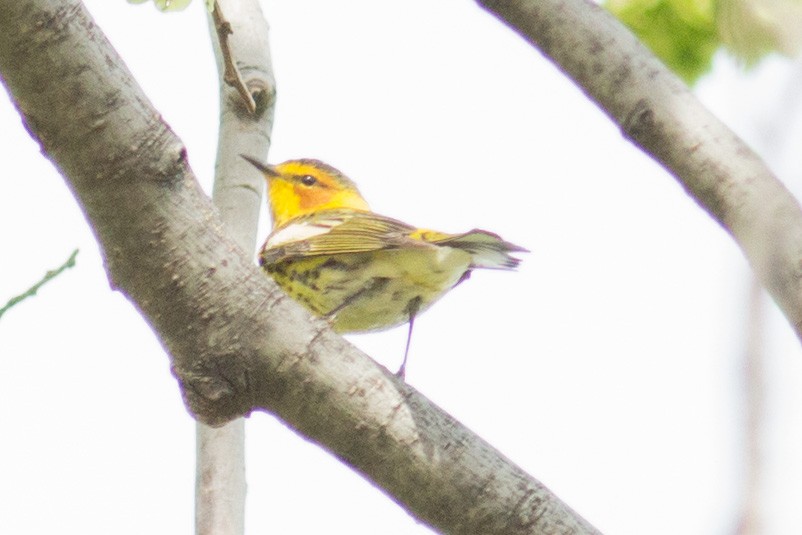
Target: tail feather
[{"x": 488, "y": 250}]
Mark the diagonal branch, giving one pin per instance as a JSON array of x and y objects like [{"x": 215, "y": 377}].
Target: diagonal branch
[
  {"x": 237, "y": 343},
  {"x": 659, "y": 114}
]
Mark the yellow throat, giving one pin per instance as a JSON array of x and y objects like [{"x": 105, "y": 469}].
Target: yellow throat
[{"x": 301, "y": 187}]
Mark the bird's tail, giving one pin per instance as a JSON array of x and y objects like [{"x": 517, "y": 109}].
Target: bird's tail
[{"x": 487, "y": 250}]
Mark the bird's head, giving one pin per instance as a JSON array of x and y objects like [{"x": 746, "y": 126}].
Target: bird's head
[{"x": 302, "y": 187}]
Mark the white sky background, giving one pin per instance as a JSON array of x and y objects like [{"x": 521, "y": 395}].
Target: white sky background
[{"x": 608, "y": 367}]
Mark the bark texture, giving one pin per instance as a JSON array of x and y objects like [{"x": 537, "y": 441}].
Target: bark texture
[{"x": 236, "y": 342}]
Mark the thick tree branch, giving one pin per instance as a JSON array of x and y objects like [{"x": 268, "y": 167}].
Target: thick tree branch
[
  {"x": 237, "y": 343},
  {"x": 659, "y": 114},
  {"x": 220, "y": 474}
]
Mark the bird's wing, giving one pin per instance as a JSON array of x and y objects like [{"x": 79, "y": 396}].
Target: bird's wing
[
  {"x": 349, "y": 231},
  {"x": 337, "y": 232}
]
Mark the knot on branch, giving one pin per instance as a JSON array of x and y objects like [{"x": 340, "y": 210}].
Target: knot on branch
[
  {"x": 215, "y": 390},
  {"x": 639, "y": 121},
  {"x": 253, "y": 98},
  {"x": 263, "y": 92}
]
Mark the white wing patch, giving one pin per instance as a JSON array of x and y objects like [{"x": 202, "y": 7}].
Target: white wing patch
[{"x": 297, "y": 232}]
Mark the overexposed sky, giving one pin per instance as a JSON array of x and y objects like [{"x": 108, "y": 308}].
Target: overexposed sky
[{"x": 608, "y": 366}]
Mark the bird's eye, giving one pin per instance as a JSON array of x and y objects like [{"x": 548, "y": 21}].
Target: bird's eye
[{"x": 308, "y": 180}]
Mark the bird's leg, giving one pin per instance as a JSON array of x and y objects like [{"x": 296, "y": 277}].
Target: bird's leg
[{"x": 412, "y": 310}]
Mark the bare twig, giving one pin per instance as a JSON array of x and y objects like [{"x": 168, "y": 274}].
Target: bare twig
[
  {"x": 50, "y": 275},
  {"x": 232, "y": 75}
]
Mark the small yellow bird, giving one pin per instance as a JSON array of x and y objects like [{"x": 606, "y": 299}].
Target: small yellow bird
[{"x": 360, "y": 270}]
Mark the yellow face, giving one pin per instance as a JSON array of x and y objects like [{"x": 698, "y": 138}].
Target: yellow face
[{"x": 301, "y": 187}]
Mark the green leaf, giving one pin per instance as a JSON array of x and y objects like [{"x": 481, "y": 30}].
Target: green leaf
[
  {"x": 171, "y": 5},
  {"x": 167, "y": 5},
  {"x": 680, "y": 32},
  {"x": 686, "y": 33},
  {"x": 752, "y": 29}
]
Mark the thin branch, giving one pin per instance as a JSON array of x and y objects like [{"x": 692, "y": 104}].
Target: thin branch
[
  {"x": 220, "y": 479},
  {"x": 50, "y": 275},
  {"x": 754, "y": 377},
  {"x": 232, "y": 75},
  {"x": 772, "y": 127},
  {"x": 220, "y": 485},
  {"x": 657, "y": 112}
]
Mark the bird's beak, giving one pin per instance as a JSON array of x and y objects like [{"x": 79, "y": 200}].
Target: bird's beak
[{"x": 268, "y": 170}]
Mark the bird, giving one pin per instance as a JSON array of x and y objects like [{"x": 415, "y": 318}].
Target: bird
[{"x": 360, "y": 270}]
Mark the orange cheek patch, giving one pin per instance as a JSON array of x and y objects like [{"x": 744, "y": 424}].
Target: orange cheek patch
[{"x": 311, "y": 198}]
